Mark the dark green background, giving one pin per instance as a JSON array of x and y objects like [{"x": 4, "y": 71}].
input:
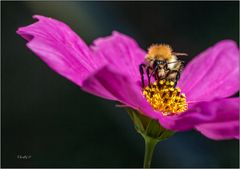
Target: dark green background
[{"x": 51, "y": 119}]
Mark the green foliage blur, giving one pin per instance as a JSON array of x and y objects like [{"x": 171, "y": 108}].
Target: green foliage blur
[{"x": 55, "y": 124}]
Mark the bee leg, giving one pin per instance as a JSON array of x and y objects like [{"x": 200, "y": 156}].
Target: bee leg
[
  {"x": 177, "y": 78},
  {"x": 178, "y": 72},
  {"x": 141, "y": 67},
  {"x": 148, "y": 75}
]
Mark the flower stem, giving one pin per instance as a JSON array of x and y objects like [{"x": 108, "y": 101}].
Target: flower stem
[{"x": 150, "y": 144}]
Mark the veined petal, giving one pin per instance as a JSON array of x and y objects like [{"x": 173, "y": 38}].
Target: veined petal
[
  {"x": 60, "y": 47},
  {"x": 212, "y": 74},
  {"x": 121, "y": 52},
  {"x": 221, "y": 111}
]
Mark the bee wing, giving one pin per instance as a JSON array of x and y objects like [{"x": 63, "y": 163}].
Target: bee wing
[{"x": 179, "y": 54}]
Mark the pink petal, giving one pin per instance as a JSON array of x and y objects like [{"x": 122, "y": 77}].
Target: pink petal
[
  {"x": 212, "y": 74},
  {"x": 220, "y": 130},
  {"x": 215, "y": 114},
  {"x": 121, "y": 52},
  {"x": 61, "y": 48},
  {"x": 123, "y": 89}
]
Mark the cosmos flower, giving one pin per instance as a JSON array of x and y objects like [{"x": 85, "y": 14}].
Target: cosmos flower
[{"x": 109, "y": 68}]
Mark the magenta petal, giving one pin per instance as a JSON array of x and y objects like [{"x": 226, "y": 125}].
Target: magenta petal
[
  {"x": 213, "y": 112},
  {"x": 110, "y": 84},
  {"x": 212, "y": 74},
  {"x": 61, "y": 48},
  {"x": 220, "y": 130},
  {"x": 121, "y": 52}
]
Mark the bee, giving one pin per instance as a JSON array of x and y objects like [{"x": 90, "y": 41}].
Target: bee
[{"x": 162, "y": 63}]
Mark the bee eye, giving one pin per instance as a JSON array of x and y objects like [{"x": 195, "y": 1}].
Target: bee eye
[
  {"x": 159, "y": 62},
  {"x": 156, "y": 63}
]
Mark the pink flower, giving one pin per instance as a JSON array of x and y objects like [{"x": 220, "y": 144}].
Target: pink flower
[{"x": 109, "y": 69}]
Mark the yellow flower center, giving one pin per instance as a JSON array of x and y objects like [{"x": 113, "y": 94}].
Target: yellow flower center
[{"x": 163, "y": 97}]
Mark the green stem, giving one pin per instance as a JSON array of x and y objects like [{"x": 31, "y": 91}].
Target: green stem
[{"x": 150, "y": 144}]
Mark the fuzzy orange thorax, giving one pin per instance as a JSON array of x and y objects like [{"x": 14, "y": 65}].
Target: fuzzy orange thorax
[{"x": 160, "y": 51}]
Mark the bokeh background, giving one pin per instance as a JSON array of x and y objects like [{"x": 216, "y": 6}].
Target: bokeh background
[{"x": 50, "y": 119}]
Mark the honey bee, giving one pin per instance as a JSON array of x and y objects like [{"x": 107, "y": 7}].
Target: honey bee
[{"x": 161, "y": 63}]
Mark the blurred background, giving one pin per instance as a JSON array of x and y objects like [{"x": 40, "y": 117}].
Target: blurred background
[{"x": 54, "y": 123}]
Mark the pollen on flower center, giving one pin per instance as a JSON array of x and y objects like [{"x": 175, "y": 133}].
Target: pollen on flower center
[{"x": 163, "y": 97}]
